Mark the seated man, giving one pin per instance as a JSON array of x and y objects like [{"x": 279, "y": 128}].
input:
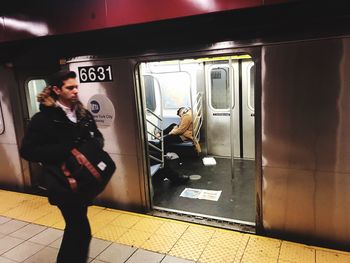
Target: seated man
[{"x": 182, "y": 132}]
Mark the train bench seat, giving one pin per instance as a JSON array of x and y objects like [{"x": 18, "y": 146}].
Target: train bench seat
[{"x": 154, "y": 168}]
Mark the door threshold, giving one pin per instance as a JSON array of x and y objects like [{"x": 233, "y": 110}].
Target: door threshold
[{"x": 201, "y": 219}]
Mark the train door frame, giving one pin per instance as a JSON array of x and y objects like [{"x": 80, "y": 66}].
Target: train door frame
[{"x": 255, "y": 53}]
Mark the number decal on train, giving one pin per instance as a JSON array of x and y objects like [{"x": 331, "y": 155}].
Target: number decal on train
[{"x": 101, "y": 73}]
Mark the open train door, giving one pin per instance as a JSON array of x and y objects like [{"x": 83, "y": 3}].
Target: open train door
[{"x": 225, "y": 178}]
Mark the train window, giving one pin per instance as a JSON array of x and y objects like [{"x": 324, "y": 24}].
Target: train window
[
  {"x": 2, "y": 125},
  {"x": 34, "y": 87},
  {"x": 150, "y": 93},
  {"x": 220, "y": 97},
  {"x": 175, "y": 88},
  {"x": 251, "y": 87}
]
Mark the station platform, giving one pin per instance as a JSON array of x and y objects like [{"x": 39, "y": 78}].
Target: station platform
[{"x": 31, "y": 231}]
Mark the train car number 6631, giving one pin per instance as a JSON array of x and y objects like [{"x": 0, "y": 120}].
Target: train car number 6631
[{"x": 101, "y": 73}]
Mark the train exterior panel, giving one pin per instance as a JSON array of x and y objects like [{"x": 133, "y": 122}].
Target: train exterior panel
[
  {"x": 11, "y": 173},
  {"x": 118, "y": 123},
  {"x": 281, "y": 113},
  {"x": 305, "y": 135}
]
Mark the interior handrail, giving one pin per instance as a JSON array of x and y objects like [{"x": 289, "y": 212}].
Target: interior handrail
[
  {"x": 159, "y": 139},
  {"x": 155, "y": 115},
  {"x": 198, "y": 98},
  {"x": 154, "y": 125},
  {"x": 198, "y": 130},
  {"x": 156, "y": 159},
  {"x": 198, "y": 118},
  {"x": 155, "y": 147}
]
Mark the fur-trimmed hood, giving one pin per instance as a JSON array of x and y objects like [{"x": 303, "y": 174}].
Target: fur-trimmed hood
[{"x": 47, "y": 99}]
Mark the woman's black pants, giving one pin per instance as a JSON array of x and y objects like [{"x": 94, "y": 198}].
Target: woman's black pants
[{"x": 77, "y": 234}]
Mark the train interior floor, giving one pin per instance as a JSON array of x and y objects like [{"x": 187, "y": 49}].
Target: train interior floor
[
  {"x": 31, "y": 231},
  {"x": 237, "y": 196}
]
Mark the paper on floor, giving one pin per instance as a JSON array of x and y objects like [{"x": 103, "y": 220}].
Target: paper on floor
[
  {"x": 209, "y": 161},
  {"x": 193, "y": 193}
]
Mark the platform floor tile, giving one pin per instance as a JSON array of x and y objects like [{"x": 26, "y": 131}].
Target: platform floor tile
[
  {"x": 332, "y": 257},
  {"x": 28, "y": 231},
  {"x": 49, "y": 219},
  {"x": 134, "y": 238},
  {"x": 56, "y": 243},
  {"x": 231, "y": 240},
  {"x": 172, "y": 229},
  {"x": 263, "y": 247},
  {"x": 116, "y": 253},
  {"x": 101, "y": 220},
  {"x": 97, "y": 246},
  {"x": 126, "y": 220},
  {"x": 110, "y": 232},
  {"x": 148, "y": 225},
  {"x": 141, "y": 256},
  {"x": 159, "y": 243},
  {"x": 257, "y": 258},
  {"x": 47, "y": 255},
  {"x": 47, "y": 236},
  {"x": 8, "y": 242},
  {"x": 31, "y": 231},
  {"x": 60, "y": 224},
  {"x": 293, "y": 252},
  {"x": 171, "y": 259},
  {"x": 187, "y": 249},
  {"x": 12, "y": 226},
  {"x": 23, "y": 251},
  {"x": 4, "y": 219},
  {"x": 217, "y": 255},
  {"x": 198, "y": 234}
]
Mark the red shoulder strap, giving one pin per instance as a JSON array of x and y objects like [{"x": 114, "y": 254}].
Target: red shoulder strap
[
  {"x": 72, "y": 182},
  {"x": 84, "y": 161}
]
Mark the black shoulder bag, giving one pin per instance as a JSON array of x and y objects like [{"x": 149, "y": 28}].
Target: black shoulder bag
[{"x": 88, "y": 169}]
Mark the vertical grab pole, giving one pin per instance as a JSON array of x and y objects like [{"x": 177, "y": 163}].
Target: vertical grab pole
[
  {"x": 161, "y": 122},
  {"x": 232, "y": 100},
  {"x": 191, "y": 100}
]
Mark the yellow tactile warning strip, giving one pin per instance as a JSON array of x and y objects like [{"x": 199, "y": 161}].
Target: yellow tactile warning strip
[{"x": 179, "y": 239}]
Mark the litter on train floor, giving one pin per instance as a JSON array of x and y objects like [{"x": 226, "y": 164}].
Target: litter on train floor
[
  {"x": 209, "y": 161},
  {"x": 193, "y": 193}
]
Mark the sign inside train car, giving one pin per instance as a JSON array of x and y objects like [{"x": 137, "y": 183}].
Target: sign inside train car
[{"x": 102, "y": 73}]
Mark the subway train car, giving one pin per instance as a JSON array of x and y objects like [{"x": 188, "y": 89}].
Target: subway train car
[{"x": 270, "y": 103}]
